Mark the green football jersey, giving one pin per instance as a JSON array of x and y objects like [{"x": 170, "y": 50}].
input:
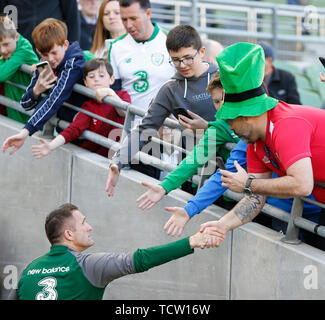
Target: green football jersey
[{"x": 65, "y": 274}]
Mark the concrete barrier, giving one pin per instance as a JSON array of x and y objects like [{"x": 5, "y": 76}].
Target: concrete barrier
[
  {"x": 120, "y": 226},
  {"x": 252, "y": 263},
  {"x": 29, "y": 189}
]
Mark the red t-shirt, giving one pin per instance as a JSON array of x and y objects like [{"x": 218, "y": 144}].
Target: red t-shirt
[
  {"x": 84, "y": 122},
  {"x": 293, "y": 132}
]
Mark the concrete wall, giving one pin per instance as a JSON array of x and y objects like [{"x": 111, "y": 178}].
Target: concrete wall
[{"x": 252, "y": 263}]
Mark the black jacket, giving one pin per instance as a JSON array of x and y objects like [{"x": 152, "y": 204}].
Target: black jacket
[
  {"x": 32, "y": 12},
  {"x": 282, "y": 85},
  {"x": 87, "y": 33}
]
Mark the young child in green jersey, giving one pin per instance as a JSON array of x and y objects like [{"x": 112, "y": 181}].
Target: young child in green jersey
[{"x": 15, "y": 50}]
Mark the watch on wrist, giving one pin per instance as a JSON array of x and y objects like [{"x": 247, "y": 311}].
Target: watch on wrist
[{"x": 247, "y": 190}]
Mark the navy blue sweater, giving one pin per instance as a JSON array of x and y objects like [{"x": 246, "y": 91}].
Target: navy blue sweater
[{"x": 69, "y": 72}]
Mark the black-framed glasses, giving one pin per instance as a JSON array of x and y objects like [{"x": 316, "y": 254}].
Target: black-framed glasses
[
  {"x": 186, "y": 61},
  {"x": 271, "y": 157}
]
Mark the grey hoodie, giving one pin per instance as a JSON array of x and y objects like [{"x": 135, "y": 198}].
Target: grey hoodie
[{"x": 178, "y": 92}]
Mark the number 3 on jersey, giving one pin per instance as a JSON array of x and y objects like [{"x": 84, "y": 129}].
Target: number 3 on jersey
[
  {"x": 48, "y": 292},
  {"x": 142, "y": 84}
]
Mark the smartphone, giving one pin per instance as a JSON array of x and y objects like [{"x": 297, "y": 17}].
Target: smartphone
[
  {"x": 322, "y": 60},
  {"x": 220, "y": 163},
  {"x": 183, "y": 112},
  {"x": 45, "y": 65}
]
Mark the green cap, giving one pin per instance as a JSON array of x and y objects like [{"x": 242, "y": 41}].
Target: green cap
[{"x": 242, "y": 68}]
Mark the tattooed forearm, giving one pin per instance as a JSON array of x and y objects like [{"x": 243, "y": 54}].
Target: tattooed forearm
[{"x": 249, "y": 207}]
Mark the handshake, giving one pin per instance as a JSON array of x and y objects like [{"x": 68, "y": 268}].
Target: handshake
[{"x": 207, "y": 237}]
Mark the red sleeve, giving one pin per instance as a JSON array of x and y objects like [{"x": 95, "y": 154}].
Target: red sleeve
[
  {"x": 124, "y": 95},
  {"x": 292, "y": 144},
  {"x": 254, "y": 164},
  {"x": 116, "y": 117},
  {"x": 80, "y": 123}
]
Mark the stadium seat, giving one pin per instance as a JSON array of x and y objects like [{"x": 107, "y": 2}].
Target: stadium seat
[
  {"x": 312, "y": 72},
  {"x": 318, "y": 3},
  {"x": 303, "y": 82},
  {"x": 285, "y": 65},
  {"x": 310, "y": 98},
  {"x": 276, "y": 1}
]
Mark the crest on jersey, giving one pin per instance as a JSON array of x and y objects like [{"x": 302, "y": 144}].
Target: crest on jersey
[{"x": 157, "y": 58}]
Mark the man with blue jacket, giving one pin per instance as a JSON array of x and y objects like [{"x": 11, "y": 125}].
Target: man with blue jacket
[{"x": 67, "y": 62}]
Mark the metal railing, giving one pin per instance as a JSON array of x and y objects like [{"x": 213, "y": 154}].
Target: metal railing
[
  {"x": 294, "y": 220},
  {"x": 131, "y": 112},
  {"x": 287, "y": 27}
]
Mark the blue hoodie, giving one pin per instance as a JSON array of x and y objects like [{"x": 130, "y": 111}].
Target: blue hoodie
[
  {"x": 213, "y": 189},
  {"x": 69, "y": 72}
]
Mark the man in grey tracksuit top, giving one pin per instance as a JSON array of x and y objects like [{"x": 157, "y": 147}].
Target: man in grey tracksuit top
[{"x": 67, "y": 273}]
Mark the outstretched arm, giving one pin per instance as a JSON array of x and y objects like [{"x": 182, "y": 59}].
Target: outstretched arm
[
  {"x": 298, "y": 181},
  {"x": 244, "y": 211},
  {"x": 16, "y": 141},
  {"x": 112, "y": 179},
  {"x": 145, "y": 259},
  {"x": 154, "y": 194},
  {"x": 45, "y": 148},
  {"x": 206, "y": 195},
  {"x": 177, "y": 221},
  {"x": 102, "y": 268}
]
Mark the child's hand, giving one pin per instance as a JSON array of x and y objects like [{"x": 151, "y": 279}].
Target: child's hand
[
  {"x": 41, "y": 150},
  {"x": 15, "y": 141},
  {"x": 103, "y": 92},
  {"x": 32, "y": 68},
  {"x": 43, "y": 83},
  {"x": 177, "y": 221}
]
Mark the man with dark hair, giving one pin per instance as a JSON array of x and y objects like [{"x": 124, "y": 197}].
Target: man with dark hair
[
  {"x": 282, "y": 138},
  {"x": 183, "y": 36},
  {"x": 140, "y": 58},
  {"x": 185, "y": 92},
  {"x": 65, "y": 273},
  {"x": 144, "y": 4}
]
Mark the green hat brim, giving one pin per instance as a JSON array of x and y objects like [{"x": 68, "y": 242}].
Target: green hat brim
[{"x": 248, "y": 108}]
